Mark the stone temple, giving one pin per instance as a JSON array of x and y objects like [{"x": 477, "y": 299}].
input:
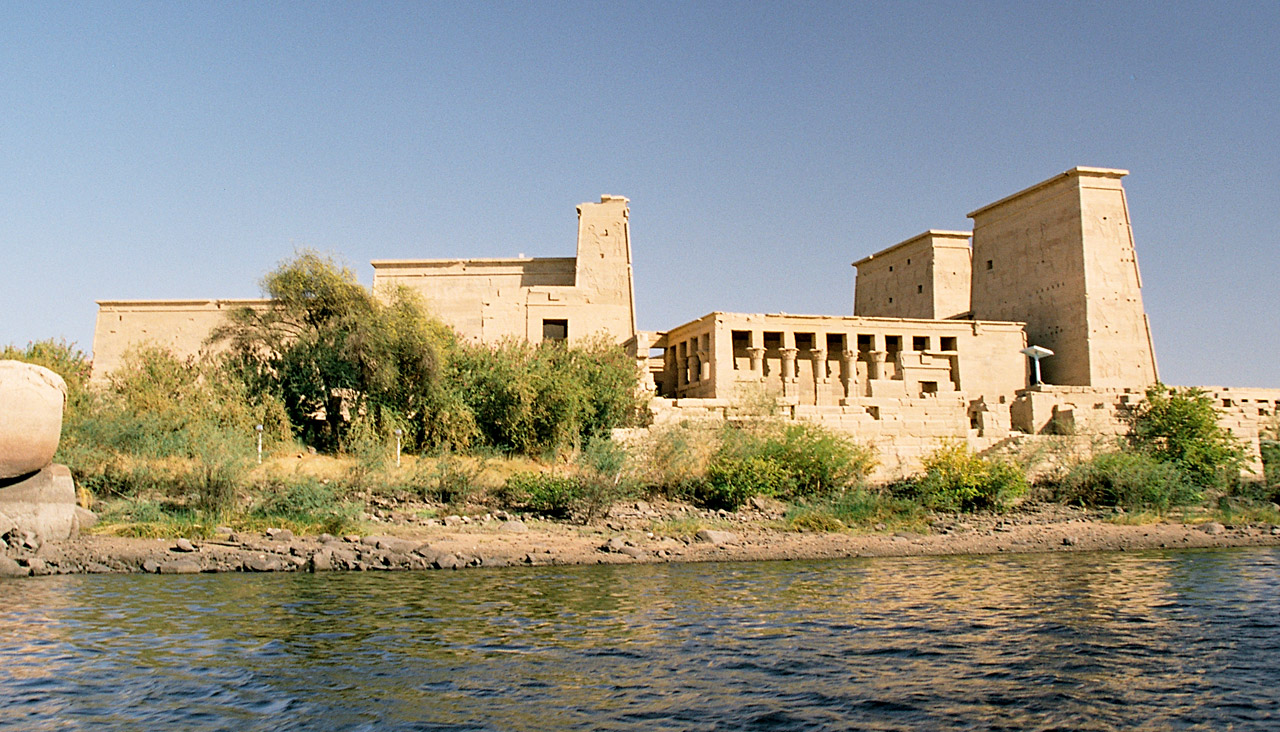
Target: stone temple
[{"x": 932, "y": 351}]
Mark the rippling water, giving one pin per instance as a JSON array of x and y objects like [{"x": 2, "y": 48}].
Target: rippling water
[{"x": 1168, "y": 640}]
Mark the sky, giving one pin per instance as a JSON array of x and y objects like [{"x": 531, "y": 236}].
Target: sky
[{"x": 182, "y": 150}]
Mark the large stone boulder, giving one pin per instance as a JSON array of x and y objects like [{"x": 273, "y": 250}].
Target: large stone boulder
[
  {"x": 44, "y": 504},
  {"x": 31, "y": 399}
]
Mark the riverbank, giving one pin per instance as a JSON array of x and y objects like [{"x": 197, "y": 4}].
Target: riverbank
[{"x": 633, "y": 533}]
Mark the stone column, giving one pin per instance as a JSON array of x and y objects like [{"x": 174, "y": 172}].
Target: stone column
[
  {"x": 819, "y": 356},
  {"x": 875, "y": 366},
  {"x": 789, "y": 371},
  {"x": 704, "y": 365},
  {"x": 848, "y": 371},
  {"x": 757, "y": 361}
]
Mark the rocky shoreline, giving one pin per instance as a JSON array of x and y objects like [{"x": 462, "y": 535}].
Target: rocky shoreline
[{"x": 632, "y": 534}]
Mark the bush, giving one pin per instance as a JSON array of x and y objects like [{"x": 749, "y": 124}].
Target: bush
[
  {"x": 1270, "y": 450},
  {"x": 543, "y": 399},
  {"x": 956, "y": 479},
  {"x": 544, "y": 493},
  {"x": 858, "y": 507},
  {"x": 1132, "y": 480},
  {"x": 789, "y": 461},
  {"x": 305, "y": 502},
  {"x": 1180, "y": 426}
]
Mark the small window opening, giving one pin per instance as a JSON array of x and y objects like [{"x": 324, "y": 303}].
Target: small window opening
[
  {"x": 891, "y": 301},
  {"x": 919, "y": 289},
  {"x": 773, "y": 341},
  {"x": 989, "y": 264},
  {"x": 864, "y": 343},
  {"x": 928, "y": 387},
  {"x": 835, "y": 342},
  {"x": 948, "y": 343},
  {"x": 804, "y": 341},
  {"x": 891, "y": 268},
  {"x": 920, "y": 343},
  {"x": 893, "y": 344},
  {"x": 555, "y": 330}
]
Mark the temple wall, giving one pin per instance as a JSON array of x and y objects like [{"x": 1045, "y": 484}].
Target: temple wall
[
  {"x": 180, "y": 326},
  {"x": 924, "y": 277},
  {"x": 1059, "y": 257},
  {"x": 489, "y": 300},
  {"x": 825, "y": 360}
]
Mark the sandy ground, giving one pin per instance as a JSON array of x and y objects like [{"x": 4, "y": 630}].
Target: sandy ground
[{"x": 632, "y": 533}]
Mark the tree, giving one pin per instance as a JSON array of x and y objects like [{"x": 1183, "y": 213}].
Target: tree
[
  {"x": 333, "y": 352},
  {"x": 1180, "y": 426}
]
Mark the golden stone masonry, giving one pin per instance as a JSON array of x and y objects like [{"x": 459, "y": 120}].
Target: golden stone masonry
[{"x": 933, "y": 350}]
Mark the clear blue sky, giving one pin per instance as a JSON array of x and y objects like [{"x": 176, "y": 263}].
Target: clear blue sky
[{"x": 168, "y": 150}]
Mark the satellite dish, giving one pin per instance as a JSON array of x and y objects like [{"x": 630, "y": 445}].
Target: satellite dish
[{"x": 1037, "y": 353}]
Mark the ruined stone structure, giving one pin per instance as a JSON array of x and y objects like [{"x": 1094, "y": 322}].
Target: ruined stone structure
[
  {"x": 487, "y": 300},
  {"x": 926, "y": 276},
  {"x": 533, "y": 299},
  {"x": 932, "y": 350}
]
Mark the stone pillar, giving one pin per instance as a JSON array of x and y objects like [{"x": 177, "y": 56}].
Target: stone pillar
[
  {"x": 875, "y": 364},
  {"x": 789, "y": 371},
  {"x": 704, "y": 365},
  {"x": 819, "y": 356},
  {"x": 757, "y": 361},
  {"x": 848, "y": 371}
]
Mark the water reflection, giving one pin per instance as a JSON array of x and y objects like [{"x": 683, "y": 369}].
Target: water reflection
[{"x": 1071, "y": 641}]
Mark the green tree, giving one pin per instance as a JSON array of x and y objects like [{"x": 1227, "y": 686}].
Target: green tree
[
  {"x": 1180, "y": 426},
  {"x": 331, "y": 351}
]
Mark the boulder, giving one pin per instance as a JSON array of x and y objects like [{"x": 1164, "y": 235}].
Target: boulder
[
  {"x": 43, "y": 504},
  {"x": 718, "y": 538},
  {"x": 31, "y": 400}
]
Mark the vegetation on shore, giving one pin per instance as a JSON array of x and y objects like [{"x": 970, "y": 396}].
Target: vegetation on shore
[{"x": 168, "y": 445}]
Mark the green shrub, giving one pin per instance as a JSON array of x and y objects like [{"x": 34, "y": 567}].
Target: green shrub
[
  {"x": 305, "y": 502},
  {"x": 544, "y": 493},
  {"x": 1129, "y": 479},
  {"x": 956, "y": 479},
  {"x": 1180, "y": 426},
  {"x": 731, "y": 481},
  {"x": 789, "y": 461},
  {"x": 1270, "y": 450},
  {"x": 857, "y": 507}
]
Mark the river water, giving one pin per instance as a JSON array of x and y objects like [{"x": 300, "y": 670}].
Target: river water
[{"x": 1070, "y": 641}]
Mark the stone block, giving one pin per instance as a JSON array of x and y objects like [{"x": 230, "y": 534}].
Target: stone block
[
  {"x": 44, "y": 504},
  {"x": 31, "y": 400}
]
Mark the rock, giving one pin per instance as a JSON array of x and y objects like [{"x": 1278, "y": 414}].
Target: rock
[
  {"x": 31, "y": 401},
  {"x": 260, "y": 564},
  {"x": 392, "y": 544},
  {"x": 453, "y": 521},
  {"x": 1070, "y": 541},
  {"x": 513, "y": 527},
  {"x": 36, "y": 566},
  {"x": 1213, "y": 528},
  {"x": 179, "y": 567},
  {"x": 279, "y": 534},
  {"x": 327, "y": 539},
  {"x": 321, "y": 561},
  {"x": 30, "y": 540},
  {"x": 182, "y": 545},
  {"x": 614, "y": 545},
  {"x": 448, "y": 561},
  {"x": 351, "y": 538},
  {"x": 43, "y": 504},
  {"x": 85, "y": 519},
  {"x": 10, "y": 568},
  {"x": 150, "y": 566},
  {"x": 718, "y": 538},
  {"x": 634, "y": 552},
  {"x": 1275, "y": 530}
]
